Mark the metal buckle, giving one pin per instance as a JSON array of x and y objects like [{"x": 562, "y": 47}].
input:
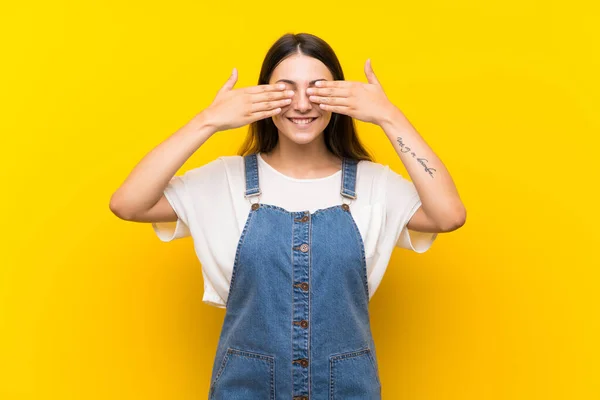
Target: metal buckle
[{"x": 257, "y": 195}]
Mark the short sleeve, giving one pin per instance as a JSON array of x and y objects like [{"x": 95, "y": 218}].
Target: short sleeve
[
  {"x": 202, "y": 200},
  {"x": 178, "y": 197},
  {"x": 402, "y": 202}
]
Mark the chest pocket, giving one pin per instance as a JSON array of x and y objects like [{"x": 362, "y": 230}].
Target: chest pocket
[{"x": 244, "y": 375}]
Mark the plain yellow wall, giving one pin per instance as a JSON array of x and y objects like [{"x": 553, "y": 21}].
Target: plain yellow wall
[{"x": 505, "y": 92}]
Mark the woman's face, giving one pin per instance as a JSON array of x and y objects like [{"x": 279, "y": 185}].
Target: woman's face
[{"x": 300, "y": 72}]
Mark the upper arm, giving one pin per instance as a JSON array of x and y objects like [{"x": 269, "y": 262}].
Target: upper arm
[
  {"x": 162, "y": 211},
  {"x": 420, "y": 222}
]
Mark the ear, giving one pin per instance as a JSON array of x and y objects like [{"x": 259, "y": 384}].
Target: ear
[{"x": 371, "y": 78}]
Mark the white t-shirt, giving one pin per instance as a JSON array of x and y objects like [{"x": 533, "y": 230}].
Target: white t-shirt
[{"x": 211, "y": 208}]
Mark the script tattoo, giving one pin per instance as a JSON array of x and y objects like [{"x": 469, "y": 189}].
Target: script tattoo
[{"x": 405, "y": 149}]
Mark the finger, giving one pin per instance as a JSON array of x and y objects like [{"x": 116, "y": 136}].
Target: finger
[
  {"x": 265, "y": 88},
  {"x": 335, "y": 84},
  {"x": 272, "y": 95},
  {"x": 265, "y": 114},
  {"x": 336, "y": 109},
  {"x": 331, "y": 91},
  {"x": 269, "y": 105},
  {"x": 371, "y": 78},
  {"x": 334, "y": 101},
  {"x": 230, "y": 82}
]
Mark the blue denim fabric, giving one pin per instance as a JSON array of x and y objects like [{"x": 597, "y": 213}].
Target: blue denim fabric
[{"x": 297, "y": 319}]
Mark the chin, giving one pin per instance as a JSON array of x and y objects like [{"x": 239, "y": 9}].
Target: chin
[{"x": 302, "y": 137}]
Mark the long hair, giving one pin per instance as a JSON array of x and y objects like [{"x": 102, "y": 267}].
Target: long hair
[{"x": 339, "y": 135}]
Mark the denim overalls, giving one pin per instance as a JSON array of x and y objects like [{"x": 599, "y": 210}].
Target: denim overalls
[{"x": 297, "y": 324}]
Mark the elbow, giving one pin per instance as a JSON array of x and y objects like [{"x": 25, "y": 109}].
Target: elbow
[
  {"x": 457, "y": 221},
  {"x": 117, "y": 209}
]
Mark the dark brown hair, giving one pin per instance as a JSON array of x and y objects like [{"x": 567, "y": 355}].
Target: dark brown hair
[{"x": 340, "y": 134}]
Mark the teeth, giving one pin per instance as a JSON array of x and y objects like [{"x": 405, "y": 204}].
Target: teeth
[{"x": 301, "y": 121}]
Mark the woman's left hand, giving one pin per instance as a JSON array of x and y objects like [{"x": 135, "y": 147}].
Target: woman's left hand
[{"x": 364, "y": 101}]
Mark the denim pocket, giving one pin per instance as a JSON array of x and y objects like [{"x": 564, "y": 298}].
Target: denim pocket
[
  {"x": 354, "y": 375},
  {"x": 244, "y": 375}
]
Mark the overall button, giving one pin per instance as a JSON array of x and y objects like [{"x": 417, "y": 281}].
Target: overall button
[
  {"x": 255, "y": 206},
  {"x": 345, "y": 207},
  {"x": 300, "y": 397},
  {"x": 303, "y": 286},
  {"x": 303, "y": 247},
  {"x": 303, "y": 323},
  {"x": 302, "y": 361}
]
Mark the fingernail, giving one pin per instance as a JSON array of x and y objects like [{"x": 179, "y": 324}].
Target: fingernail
[{"x": 310, "y": 90}]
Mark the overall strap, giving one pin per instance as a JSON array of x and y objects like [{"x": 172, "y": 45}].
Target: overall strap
[
  {"x": 251, "y": 174},
  {"x": 349, "y": 167},
  {"x": 348, "y": 182}
]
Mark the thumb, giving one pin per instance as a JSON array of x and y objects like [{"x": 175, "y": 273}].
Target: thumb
[
  {"x": 371, "y": 78},
  {"x": 230, "y": 82}
]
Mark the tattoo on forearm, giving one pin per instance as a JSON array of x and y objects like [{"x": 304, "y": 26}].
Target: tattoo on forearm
[{"x": 405, "y": 149}]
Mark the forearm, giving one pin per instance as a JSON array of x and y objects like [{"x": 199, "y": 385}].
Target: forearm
[
  {"x": 145, "y": 184},
  {"x": 439, "y": 196}
]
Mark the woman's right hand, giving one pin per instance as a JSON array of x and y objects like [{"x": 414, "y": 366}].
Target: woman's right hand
[{"x": 233, "y": 108}]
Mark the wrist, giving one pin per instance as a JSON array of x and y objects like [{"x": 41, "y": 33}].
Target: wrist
[
  {"x": 392, "y": 120},
  {"x": 202, "y": 123}
]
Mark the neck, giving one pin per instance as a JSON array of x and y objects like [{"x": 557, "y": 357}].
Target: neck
[{"x": 303, "y": 161}]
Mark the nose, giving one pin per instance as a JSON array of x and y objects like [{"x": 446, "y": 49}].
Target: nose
[{"x": 301, "y": 101}]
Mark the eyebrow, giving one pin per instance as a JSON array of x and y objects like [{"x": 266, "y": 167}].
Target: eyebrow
[{"x": 293, "y": 83}]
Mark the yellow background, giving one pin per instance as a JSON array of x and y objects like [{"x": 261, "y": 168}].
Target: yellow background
[{"x": 505, "y": 92}]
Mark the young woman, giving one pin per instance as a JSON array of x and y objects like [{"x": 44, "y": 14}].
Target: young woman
[{"x": 294, "y": 234}]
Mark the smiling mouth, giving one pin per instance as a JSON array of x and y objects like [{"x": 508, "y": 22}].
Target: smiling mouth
[{"x": 302, "y": 121}]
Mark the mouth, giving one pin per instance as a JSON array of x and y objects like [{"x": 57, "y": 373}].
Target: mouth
[{"x": 302, "y": 122}]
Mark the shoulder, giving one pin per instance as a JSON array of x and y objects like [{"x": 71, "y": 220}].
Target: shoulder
[
  {"x": 383, "y": 172},
  {"x": 221, "y": 164},
  {"x": 233, "y": 166},
  {"x": 372, "y": 171},
  {"x": 371, "y": 168},
  {"x": 385, "y": 180},
  {"x": 233, "y": 161},
  {"x": 211, "y": 173},
  {"x": 371, "y": 178}
]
